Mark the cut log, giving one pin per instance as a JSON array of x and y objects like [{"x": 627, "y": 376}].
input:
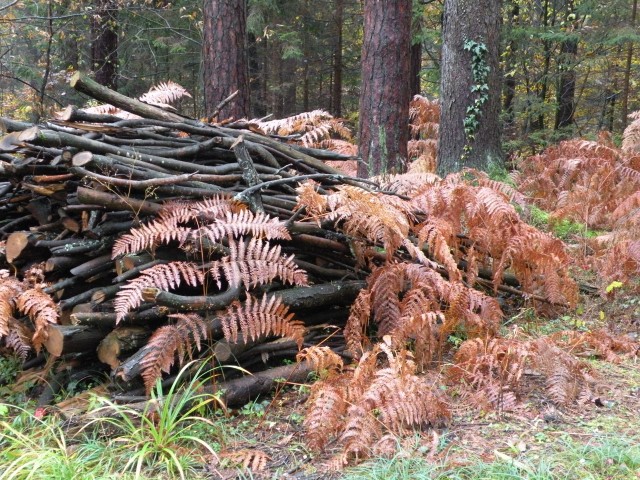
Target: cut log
[
  {"x": 121, "y": 341},
  {"x": 64, "y": 339}
]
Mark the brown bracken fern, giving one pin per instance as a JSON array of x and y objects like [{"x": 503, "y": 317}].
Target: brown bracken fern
[
  {"x": 26, "y": 297},
  {"x": 170, "y": 343}
]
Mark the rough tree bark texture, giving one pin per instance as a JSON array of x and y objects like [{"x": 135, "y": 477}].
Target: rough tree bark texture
[
  {"x": 224, "y": 56},
  {"x": 469, "y": 20},
  {"x": 104, "y": 44},
  {"x": 384, "y": 95}
]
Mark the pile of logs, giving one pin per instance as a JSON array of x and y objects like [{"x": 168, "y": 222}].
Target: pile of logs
[{"x": 71, "y": 186}]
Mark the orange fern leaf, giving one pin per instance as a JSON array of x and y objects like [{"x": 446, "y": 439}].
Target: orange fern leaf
[
  {"x": 245, "y": 222},
  {"x": 255, "y": 263},
  {"x": 259, "y": 318},
  {"x": 166, "y": 277},
  {"x": 42, "y": 311},
  {"x": 170, "y": 343}
]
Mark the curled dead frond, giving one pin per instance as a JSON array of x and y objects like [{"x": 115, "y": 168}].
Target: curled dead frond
[
  {"x": 597, "y": 343},
  {"x": 42, "y": 311},
  {"x": 323, "y": 360},
  {"x": 170, "y": 343}
]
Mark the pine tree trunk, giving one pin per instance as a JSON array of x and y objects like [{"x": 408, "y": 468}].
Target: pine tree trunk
[
  {"x": 224, "y": 55},
  {"x": 384, "y": 94},
  {"x": 567, "y": 85},
  {"x": 336, "y": 95},
  {"x": 104, "y": 45},
  {"x": 624, "y": 107},
  {"x": 416, "y": 66},
  {"x": 469, "y": 20}
]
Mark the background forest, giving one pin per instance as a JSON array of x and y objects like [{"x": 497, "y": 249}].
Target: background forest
[{"x": 305, "y": 55}]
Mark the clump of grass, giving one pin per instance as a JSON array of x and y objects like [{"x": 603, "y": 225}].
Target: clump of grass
[
  {"x": 38, "y": 449},
  {"x": 160, "y": 439}
]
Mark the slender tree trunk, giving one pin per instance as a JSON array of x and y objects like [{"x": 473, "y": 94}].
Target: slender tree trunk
[
  {"x": 384, "y": 94},
  {"x": 104, "y": 44},
  {"x": 336, "y": 96},
  {"x": 567, "y": 85},
  {"x": 510, "y": 79},
  {"x": 479, "y": 147},
  {"x": 624, "y": 104},
  {"x": 416, "y": 67},
  {"x": 543, "y": 84},
  {"x": 224, "y": 55},
  {"x": 256, "y": 78}
]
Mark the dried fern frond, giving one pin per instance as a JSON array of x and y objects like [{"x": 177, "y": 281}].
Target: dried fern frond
[
  {"x": 165, "y": 277},
  {"x": 260, "y": 318},
  {"x": 164, "y": 93},
  {"x": 256, "y": 263},
  {"x": 253, "y": 459},
  {"x": 42, "y": 311},
  {"x": 242, "y": 223},
  {"x": 567, "y": 380},
  {"x": 19, "y": 339},
  {"x": 599, "y": 343},
  {"x": 493, "y": 367},
  {"x": 372, "y": 402},
  {"x": 149, "y": 236},
  {"x": 10, "y": 289},
  {"x": 377, "y": 218},
  {"x": 170, "y": 343},
  {"x": 410, "y": 302},
  {"x": 322, "y": 360},
  {"x": 631, "y": 135}
]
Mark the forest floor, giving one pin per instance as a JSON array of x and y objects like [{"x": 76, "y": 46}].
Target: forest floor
[{"x": 599, "y": 440}]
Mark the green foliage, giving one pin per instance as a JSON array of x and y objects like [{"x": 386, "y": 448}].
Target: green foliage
[
  {"x": 480, "y": 90},
  {"x": 160, "y": 438}
]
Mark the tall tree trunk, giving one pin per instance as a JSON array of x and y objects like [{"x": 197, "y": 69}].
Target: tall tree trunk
[
  {"x": 416, "y": 67},
  {"x": 256, "y": 78},
  {"x": 384, "y": 94},
  {"x": 543, "y": 84},
  {"x": 224, "y": 55},
  {"x": 510, "y": 79},
  {"x": 336, "y": 94},
  {"x": 567, "y": 85},
  {"x": 624, "y": 106},
  {"x": 467, "y": 21},
  {"x": 104, "y": 44}
]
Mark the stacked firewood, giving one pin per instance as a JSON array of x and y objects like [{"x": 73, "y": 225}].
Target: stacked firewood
[{"x": 71, "y": 186}]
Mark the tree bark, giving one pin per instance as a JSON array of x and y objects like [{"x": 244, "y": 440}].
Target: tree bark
[
  {"x": 224, "y": 55},
  {"x": 567, "y": 85},
  {"x": 624, "y": 106},
  {"x": 416, "y": 66},
  {"x": 337, "y": 60},
  {"x": 104, "y": 45},
  {"x": 479, "y": 22},
  {"x": 384, "y": 94}
]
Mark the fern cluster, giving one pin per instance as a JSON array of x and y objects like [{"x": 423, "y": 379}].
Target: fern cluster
[
  {"x": 35, "y": 310},
  {"x": 598, "y": 185},
  {"x": 364, "y": 409},
  {"x": 424, "y": 127},
  {"x": 233, "y": 248}
]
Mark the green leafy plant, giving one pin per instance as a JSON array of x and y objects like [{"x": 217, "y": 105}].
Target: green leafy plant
[{"x": 480, "y": 88}]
